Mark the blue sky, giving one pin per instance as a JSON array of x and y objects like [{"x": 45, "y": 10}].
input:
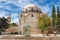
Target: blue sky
[{"x": 14, "y": 7}]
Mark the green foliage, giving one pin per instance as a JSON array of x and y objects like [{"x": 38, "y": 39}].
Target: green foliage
[
  {"x": 58, "y": 19},
  {"x": 14, "y": 24},
  {"x": 58, "y": 14},
  {"x": 44, "y": 22},
  {"x": 3, "y": 24},
  {"x": 53, "y": 16}
]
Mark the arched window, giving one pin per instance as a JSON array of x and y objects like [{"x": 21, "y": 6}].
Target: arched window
[
  {"x": 35, "y": 9},
  {"x": 32, "y": 9},
  {"x": 28, "y": 9},
  {"x": 21, "y": 15},
  {"x": 32, "y": 15}
]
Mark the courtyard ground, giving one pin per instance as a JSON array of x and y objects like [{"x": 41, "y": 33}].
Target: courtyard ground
[{"x": 33, "y": 37}]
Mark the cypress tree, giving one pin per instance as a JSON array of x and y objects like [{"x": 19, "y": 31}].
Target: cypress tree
[
  {"x": 58, "y": 14},
  {"x": 58, "y": 19},
  {"x": 53, "y": 17}
]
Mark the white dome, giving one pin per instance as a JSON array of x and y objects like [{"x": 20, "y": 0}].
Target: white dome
[
  {"x": 30, "y": 5},
  {"x": 31, "y": 8}
]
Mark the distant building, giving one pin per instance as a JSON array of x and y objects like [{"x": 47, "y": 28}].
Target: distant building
[
  {"x": 11, "y": 29},
  {"x": 29, "y": 16},
  {"x": 9, "y": 19}
]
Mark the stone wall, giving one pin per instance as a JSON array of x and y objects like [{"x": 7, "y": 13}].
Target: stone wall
[{"x": 29, "y": 20}]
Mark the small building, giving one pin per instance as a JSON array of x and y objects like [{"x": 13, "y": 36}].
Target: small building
[
  {"x": 9, "y": 19},
  {"x": 29, "y": 16}
]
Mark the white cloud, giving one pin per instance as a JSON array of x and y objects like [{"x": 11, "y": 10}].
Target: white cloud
[
  {"x": 1, "y": 6},
  {"x": 14, "y": 15},
  {"x": 8, "y": 7},
  {"x": 22, "y": 3},
  {"x": 41, "y": 1},
  {"x": 3, "y": 0},
  {"x": 15, "y": 20},
  {"x": 3, "y": 14},
  {"x": 45, "y": 9}
]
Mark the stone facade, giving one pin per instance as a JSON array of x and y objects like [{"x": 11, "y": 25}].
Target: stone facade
[
  {"x": 29, "y": 16},
  {"x": 11, "y": 29}
]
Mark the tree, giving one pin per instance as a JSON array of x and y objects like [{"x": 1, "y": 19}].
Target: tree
[
  {"x": 14, "y": 24},
  {"x": 58, "y": 19},
  {"x": 44, "y": 23},
  {"x": 58, "y": 14},
  {"x": 3, "y": 24},
  {"x": 53, "y": 17}
]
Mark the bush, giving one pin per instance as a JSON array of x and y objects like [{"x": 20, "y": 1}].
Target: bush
[{"x": 13, "y": 24}]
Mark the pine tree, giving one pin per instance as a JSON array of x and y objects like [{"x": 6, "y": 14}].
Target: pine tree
[{"x": 53, "y": 17}]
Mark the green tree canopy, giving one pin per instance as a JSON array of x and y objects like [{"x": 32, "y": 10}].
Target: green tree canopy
[
  {"x": 58, "y": 19},
  {"x": 58, "y": 14},
  {"x": 53, "y": 16},
  {"x": 14, "y": 24},
  {"x": 3, "y": 24},
  {"x": 44, "y": 22}
]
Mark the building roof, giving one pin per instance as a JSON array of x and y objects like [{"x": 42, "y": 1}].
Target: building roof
[
  {"x": 30, "y": 5},
  {"x": 31, "y": 8}
]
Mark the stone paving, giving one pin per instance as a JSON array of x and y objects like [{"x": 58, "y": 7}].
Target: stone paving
[{"x": 33, "y": 37}]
